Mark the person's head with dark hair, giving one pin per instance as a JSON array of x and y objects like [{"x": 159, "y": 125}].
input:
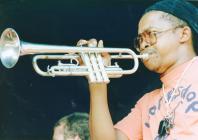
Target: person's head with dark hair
[{"x": 72, "y": 127}]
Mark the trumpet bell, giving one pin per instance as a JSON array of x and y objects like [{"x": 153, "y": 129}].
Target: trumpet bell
[{"x": 10, "y": 48}]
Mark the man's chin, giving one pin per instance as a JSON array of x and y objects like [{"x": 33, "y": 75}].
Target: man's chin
[
  {"x": 153, "y": 63},
  {"x": 151, "y": 66}
]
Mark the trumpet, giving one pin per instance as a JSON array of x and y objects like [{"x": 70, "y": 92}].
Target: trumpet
[{"x": 12, "y": 48}]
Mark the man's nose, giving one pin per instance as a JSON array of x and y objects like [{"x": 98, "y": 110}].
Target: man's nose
[{"x": 144, "y": 45}]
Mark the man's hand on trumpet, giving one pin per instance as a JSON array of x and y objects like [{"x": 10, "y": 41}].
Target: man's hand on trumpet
[
  {"x": 95, "y": 62},
  {"x": 93, "y": 43},
  {"x": 98, "y": 96}
]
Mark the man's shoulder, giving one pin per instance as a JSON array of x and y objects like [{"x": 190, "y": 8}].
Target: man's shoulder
[{"x": 149, "y": 97}]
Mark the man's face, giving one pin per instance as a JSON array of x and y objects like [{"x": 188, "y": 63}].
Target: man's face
[
  {"x": 59, "y": 133},
  {"x": 74, "y": 138},
  {"x": 162, "y": 51}
]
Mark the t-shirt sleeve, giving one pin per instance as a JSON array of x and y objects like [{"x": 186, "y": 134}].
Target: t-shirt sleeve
[{"x": 131, "y": 124}]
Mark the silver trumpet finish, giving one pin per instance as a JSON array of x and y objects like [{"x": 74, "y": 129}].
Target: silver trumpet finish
[{"x": 11, "y": 48}]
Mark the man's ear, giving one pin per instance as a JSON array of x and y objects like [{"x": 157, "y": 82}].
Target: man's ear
[{"x": 185, "y": 34}]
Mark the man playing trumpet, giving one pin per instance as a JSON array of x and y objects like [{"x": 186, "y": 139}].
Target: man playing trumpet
[{"x": 166, "y": 33}]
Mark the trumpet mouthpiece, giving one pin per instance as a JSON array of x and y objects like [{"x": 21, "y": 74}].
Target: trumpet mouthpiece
[{"x": 144, "y": 56}]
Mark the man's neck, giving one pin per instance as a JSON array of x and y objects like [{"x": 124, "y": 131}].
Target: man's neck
[{"x": 181, "y": 60}]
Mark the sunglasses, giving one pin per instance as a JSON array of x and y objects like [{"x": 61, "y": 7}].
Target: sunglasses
[{"x": 150, "y": 37}]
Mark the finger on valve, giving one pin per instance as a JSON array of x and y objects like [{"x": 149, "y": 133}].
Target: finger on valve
[
  {"x": 81, "y": 42},
  {"x": 92, "y": 42},
  {"x": 105, "y": 55}
]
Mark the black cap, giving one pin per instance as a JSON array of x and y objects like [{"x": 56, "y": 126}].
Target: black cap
[{"x": 179, "y": 8}]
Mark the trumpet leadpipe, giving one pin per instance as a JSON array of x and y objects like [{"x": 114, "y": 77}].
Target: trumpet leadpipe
[{"x": 142, "y": 56}]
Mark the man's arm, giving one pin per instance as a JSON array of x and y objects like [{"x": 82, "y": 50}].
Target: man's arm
[
  {"x": 100, "y": 122},
  {"x": 101, "y": 125}
]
